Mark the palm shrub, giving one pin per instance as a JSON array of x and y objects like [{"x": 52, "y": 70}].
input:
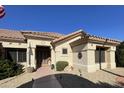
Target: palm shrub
[
  {"x": 60, "y": 65},
  {"x": 120, "y": 55},
  {"x": 9, "y": 69}
]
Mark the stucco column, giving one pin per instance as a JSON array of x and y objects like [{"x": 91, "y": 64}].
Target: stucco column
[
  {"x": 31, "y": 61},
  {"x": 112, "y": 57},
  {"x": 28, "y": 58},
  {"x": 90, "y": 52},
  {"x": 33, "y": 57},
  {"x": 91, "y": 60},
  {"x": 53, "y": 56}
]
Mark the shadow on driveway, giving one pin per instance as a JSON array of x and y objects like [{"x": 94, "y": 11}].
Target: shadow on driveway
[{"x": 66, "y": 81}]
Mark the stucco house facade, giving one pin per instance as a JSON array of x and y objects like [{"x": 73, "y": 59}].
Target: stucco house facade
[{"x": 80, "y": 49}]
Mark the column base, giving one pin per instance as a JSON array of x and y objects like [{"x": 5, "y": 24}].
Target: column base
[{"x": 29, "y": 69}]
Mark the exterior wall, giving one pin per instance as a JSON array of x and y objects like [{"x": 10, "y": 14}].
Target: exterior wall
[
  {"x": 80, "y": 63},
  {"x": 111, "y": 54},
  {"x": 6, "y": 44},
  {"x": 53, "y": 56},
  {"x": 64, "y": 57},
  {"x": 87, "y": 62},
  {"x": 14, "y": 45},
  {"x": 31, "y": 47},
  {"x": 109, "y": 57}
]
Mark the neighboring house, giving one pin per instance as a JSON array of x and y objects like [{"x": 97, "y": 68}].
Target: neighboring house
[{"x": 36, "y": 49}]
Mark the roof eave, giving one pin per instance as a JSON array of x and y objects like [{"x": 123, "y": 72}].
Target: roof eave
[{"x": 75, "y": 34}]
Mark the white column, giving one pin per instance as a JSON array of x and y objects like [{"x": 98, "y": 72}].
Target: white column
[
  {"x": 112, "y": 59},
  {"x": 53, "y": 56},
  {"x": 91, "y": 60},
  {"x": 33, "y": 57},
  {"x": 28, "y": 58},
  {"x": 90, "y": 57}
]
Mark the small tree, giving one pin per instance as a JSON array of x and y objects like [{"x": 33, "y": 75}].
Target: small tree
[{"x": 120, "y": 55}]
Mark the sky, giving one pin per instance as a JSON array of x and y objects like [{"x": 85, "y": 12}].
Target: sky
[{"x": 105, "y": 21}]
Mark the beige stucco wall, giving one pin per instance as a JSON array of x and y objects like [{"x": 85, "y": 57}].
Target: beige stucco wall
[
  {"x": 31, "y": 47},
  {"x": 64, "y": 57},
  {"x": 80, "y": 63},
  {"x": 6, "y": 44},
  {"x": 87, "y": 63},
  {"x": 14, "y": 45},
  {"x": 32, "y": 43}
]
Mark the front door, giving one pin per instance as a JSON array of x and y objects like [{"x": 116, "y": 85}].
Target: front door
[{"x": 43, "y": 56}]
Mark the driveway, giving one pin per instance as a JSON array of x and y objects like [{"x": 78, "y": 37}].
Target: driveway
[
  {"x": 101, "y": 78},
  {"x": 46, "y": 78}
]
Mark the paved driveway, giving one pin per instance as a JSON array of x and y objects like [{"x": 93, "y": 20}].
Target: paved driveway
[{"x": 46, "y": 78}]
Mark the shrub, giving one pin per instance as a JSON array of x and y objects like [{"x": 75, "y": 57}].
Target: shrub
[
  {"x": 60, "y": 65},
  {"x": 9, "y": 69},
  {"x": 120, "y": 55},
  {"x": 52, "y": 66}
]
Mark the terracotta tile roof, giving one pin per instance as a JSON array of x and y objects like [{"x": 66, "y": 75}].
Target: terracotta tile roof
[
  {"x": 56, "y": 37},
  {"x": 49, "y": 35},
  {"x": 11, "y": 35},
  {"x": 93, "y": 37},
  {"x": 66, "y": 36}
]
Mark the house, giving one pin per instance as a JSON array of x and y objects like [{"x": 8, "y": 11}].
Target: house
[{"x": 80, "y": 49}]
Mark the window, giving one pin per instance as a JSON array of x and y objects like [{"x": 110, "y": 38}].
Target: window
[
  {"x": 64, "y": 51},
  {"x": 16, "y": 55},
  {"x": 11, "y": 55},
  {"x": 21, "y": 55}
]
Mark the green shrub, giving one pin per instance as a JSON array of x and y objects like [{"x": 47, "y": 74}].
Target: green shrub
[
  {"x": 9, "y": 69},
  {"x": 120, "y": 55},
  {"x": 60, "y": 65},
  {"x": 52, "y": 66}
]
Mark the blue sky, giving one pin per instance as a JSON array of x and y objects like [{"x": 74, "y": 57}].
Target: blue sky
[{"x": 106, "y": 21}]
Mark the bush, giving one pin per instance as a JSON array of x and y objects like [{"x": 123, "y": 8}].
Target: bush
[
  {"x": 9, "y": 69},
  {"x": 60, "y": 65},
  {"x": 120, "y": 55}
]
